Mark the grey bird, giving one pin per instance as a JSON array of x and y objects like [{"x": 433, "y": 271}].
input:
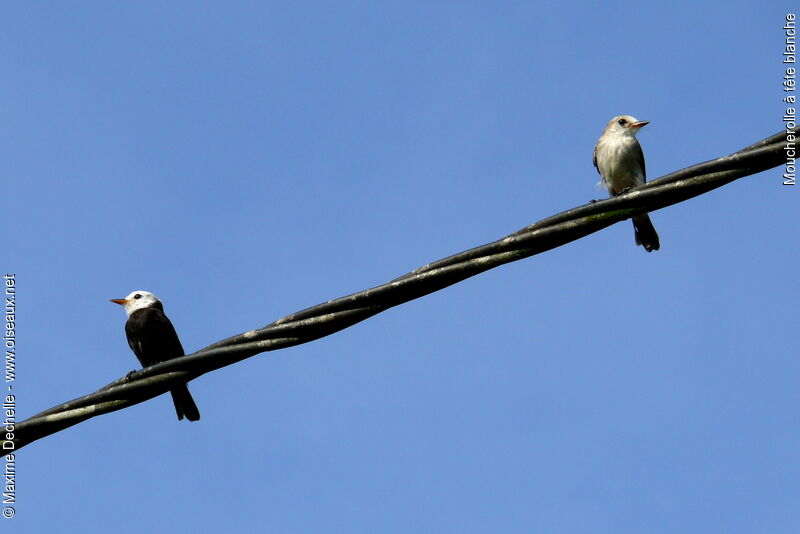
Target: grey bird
[{"x": 620, "y": 161}]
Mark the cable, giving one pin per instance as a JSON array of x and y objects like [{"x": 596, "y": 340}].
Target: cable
[{"x": 335, "y": 315}]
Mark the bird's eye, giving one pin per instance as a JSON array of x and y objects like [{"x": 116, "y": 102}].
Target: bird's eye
[
  {"x": 137, "y": 296},
  {"x": 622, "y": 122}
]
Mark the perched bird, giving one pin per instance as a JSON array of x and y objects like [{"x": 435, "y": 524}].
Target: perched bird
[
  {"x": 152, "y": 339},
  {"x": 620, "y": 161}
]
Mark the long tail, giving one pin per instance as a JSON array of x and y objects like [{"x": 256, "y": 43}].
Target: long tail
[
  {"x": 645, "y": 233},
  {"x": 184, "y": 403}
]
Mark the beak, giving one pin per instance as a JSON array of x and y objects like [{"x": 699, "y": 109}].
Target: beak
[
  {"x": 639, "y": 124},
  {"x": 119, "y": 301}
]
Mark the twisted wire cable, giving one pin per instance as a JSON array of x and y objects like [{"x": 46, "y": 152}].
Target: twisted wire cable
[{"x": 335, "y": 315}]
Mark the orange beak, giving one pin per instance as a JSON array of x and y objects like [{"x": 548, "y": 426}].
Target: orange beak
[
  {"x": 119, "y": 301},
  {"x": 639, "y": 124}
]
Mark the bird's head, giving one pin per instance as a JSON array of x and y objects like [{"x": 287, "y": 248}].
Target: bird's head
[
  {"x": 624, "y": 125},
  {"x": 138, "y": 300}
]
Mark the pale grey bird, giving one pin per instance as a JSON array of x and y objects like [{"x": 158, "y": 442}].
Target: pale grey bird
[{"x": 620, "y": 161}]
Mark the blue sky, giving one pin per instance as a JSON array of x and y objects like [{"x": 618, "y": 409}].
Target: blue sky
[{"x": 245, "y": 160}]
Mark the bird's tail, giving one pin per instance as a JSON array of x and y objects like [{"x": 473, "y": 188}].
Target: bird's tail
[
  {"x": 184, "y": 403},
  {"x": 645, "y": 233}
]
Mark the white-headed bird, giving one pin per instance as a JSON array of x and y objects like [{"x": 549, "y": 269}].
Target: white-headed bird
[{"x": 153, "y": 339}]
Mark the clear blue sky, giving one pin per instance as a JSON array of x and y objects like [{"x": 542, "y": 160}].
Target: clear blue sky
[{"x": 245, "y": 160}]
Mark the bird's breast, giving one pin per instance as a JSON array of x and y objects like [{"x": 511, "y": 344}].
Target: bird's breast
[{"x": 618, "y": 165}]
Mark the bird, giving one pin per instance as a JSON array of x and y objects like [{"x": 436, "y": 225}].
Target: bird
[
  {"x": 619, "y": 159},
  {"x": 153, "y": 339}
]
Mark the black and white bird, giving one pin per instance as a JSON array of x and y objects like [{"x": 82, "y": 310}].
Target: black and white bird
[
  {"x": 620, "y": 161},
  {"x": 153, "y": 339}
]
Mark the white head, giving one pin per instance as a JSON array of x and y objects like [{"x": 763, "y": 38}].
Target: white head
[
  {"x": 138, "y": 300},
  {"x": 624, "y": 125}
]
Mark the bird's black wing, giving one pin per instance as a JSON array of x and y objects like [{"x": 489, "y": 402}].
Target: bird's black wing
[
  {"x": 152, "y": 337},
  {"x": 639, "y": 156}
]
